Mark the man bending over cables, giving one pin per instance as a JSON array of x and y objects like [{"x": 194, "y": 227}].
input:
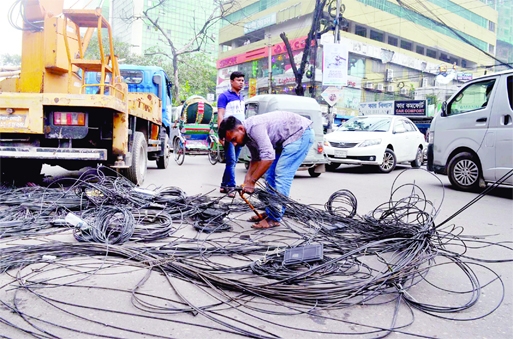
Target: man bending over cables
[{"x": 278, "y": 142}]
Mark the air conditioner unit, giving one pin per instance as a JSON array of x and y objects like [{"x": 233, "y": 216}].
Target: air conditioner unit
[
  {"x": 390, "y": 88},
  {"x": 368, "y": 85},
  {"x": 389, "y": 75},
  {"x": 424, "y": 82},
  {"x": 380, "y": 87},
  {"x": 404, "y": 91}
]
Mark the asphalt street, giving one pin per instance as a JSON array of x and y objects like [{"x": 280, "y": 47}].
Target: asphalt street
[{"x": 139, "y": 300}]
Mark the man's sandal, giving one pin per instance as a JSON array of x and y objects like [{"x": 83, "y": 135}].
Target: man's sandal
[
  {"x": 266, "y": 223},
  {"x": 256, "y": 218}
]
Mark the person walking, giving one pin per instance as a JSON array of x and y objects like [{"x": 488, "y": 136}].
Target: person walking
[
  {"x": 231, "y": 103},
  {"x": 278, "y": 141}
]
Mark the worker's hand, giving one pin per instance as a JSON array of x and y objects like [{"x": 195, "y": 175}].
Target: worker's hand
[{"x": 248, "y": 188}]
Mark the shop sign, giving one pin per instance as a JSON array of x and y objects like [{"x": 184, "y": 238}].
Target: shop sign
[
  {"x": 410, "y": 108},
  {"x": 260, "y": 23},
  {"x": 376, "y": 107}
]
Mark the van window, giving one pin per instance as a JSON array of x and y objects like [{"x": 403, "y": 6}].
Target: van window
[
  {"x": 510, "y": 91},
  {"x": 471, "y": 98}
]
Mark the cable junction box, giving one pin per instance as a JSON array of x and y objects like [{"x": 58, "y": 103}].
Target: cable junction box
[{"x": 302, "y": 254}]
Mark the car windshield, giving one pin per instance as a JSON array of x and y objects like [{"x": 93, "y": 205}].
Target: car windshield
[{"x": 370, "y": 124}]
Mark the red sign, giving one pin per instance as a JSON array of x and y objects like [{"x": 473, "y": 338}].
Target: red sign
[{"x": 296, "y": 44}]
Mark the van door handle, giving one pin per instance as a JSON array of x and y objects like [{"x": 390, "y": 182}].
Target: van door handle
[{"x": 481, "y": 120}]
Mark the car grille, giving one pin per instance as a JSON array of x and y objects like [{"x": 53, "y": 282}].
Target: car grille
[{"x": 343, "y": 144}]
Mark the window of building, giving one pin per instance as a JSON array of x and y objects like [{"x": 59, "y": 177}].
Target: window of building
[
  {"x": 361, "y": 31},
  {"x": 419, "y": 49},
  {"x": 376, "y": 36},
  {"x": 430, "y": 53},
  {"x": 406, "y": 45},
  {"x": 392, "y": 41},
  {"x": 491, "y": 48},
  {"x": 444, "y": 57},
  {"x": 491, "y": 26}
]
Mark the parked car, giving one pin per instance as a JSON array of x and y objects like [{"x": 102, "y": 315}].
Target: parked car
[
  {"x": 260, "y": 104},
  {"x": 379, "y": 140},
  {"x": 471, "y": 139}
]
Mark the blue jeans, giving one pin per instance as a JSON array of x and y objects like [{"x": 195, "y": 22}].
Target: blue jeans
[
  {"x": 281, "y": 173},
  {"x": 231, "y": 155}
]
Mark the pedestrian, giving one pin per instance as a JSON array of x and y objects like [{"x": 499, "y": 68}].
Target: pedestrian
[
  {"x": 278, "y": 142},
  {"x": 231, "y": 103}
]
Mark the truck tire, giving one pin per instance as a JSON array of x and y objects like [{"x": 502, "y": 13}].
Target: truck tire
[
  {"x": 389, "y": 161},
  {"x": 312, "y": 172},
  {"x": 419, "y": 159},
  {"x": 163, "y": 161},
  {"x": 464, "y": 172},
  {"x": 137, "y": 170}
]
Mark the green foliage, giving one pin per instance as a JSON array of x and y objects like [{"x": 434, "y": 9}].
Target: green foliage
[
  {"x": 10, "y": 59},
  {"x": 198, "y": 74}
]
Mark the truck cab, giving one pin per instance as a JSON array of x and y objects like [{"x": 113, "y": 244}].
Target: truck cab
[
  {"x": 471, "y": 138},
  {"x": 315, "y": 160}
]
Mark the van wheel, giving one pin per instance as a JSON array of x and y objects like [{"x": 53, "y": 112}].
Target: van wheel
[
  {"x": 137, "y": 170},
  {"x": 312, "y": 172},
  {"x": 332, "y": 166},
  {"x": 464, "y": 172},
  {"x": 389, "y": 161},
  {"x": 419, "y": 159}
]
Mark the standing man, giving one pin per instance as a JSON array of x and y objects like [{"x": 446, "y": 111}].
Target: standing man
[
  {"x": 278, "y": 142},
  {"x": 231, "y": 103}
]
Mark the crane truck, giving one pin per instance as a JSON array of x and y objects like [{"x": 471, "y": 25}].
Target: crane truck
[{"x": 49, "y": 115}]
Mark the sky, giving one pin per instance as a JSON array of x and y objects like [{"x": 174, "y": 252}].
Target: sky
[{"x": 10, "y": 38}]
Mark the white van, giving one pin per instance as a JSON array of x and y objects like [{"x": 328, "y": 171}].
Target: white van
[
  {"x": 316, "y": 159},
  {"x": 471, "y": 139}
]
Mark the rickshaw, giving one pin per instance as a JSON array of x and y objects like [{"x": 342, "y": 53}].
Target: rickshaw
[{"x": 194, "y": 132}]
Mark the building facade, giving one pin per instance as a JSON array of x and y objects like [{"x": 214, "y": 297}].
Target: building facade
[
  {"x": 396, "y": 50},
  {"x": 180, "y": 19}
]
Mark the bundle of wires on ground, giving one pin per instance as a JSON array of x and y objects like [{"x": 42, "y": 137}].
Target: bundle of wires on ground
[{"x": 323, "y": 259}]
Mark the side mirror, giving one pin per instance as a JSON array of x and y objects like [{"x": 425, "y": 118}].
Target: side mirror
[{"x": 444, "y": 109}]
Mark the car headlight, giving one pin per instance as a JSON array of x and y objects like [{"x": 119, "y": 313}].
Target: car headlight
[
  {"x": 326, "y": 142},
  {"x": 370, "y": 142}
]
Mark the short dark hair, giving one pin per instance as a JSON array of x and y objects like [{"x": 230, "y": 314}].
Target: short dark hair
[
  {"x": 228, "y": 124},
  {"x": 236, "y": 74}
]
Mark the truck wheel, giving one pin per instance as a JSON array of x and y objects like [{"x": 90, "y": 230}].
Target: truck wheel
[
  {"x": 389, "y": 161},
  {"x": 332, "y": 166},
  {"x": 464, "y": 172},
  {"x": 163, "y": 161},
  {"x": 137, "y": 170},
  {"x": 312, "y": 172},
  {"x": 419, "y": 159}
]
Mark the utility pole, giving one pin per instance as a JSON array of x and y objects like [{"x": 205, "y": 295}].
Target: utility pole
[
  {"x": 270, "y": 64},
  {"x": 337, "y": 41}
]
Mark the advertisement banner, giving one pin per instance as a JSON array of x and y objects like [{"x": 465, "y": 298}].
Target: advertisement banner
[
  {"x": 252, "y": 87},
  {"x": 334, "y": 65}
]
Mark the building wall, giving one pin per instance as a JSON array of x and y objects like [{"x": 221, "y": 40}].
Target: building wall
[
  {"x": 181, "y": 20},
  {"x": 422, "y": 52}
]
